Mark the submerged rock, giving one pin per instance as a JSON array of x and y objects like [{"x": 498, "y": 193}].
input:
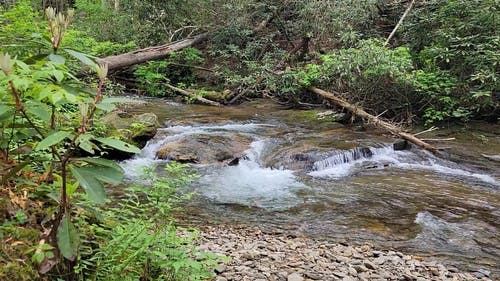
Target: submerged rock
[{"x": 206, "y": 149}]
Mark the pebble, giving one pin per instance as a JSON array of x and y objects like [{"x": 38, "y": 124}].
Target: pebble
[
  {"x": 278, "y": 256},
  {"x": 369, "y": 265},
  {"x": 295, "y": 277}
]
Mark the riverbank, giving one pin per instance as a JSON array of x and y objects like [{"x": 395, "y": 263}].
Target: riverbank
[{"x": 280, "y": 256}]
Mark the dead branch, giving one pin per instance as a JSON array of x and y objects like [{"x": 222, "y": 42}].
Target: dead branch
[
  {"x": 334, "y": 97},
  {"x": 399, "y": 22},
  {"x": 439, "y": 139},
  {"x": 426, "y": 131},
  {"x": 191, "y": 95}
]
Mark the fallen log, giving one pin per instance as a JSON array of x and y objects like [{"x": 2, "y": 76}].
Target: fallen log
[
  {"x": 334, "y": 97},
  {"x": 193, "y": 96},
  {"x": 150, "y": 53}
]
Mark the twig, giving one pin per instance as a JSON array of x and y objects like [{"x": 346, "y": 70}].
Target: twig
[
  {"x": 433, "y": 128},
  {"x": 445, "y": 139}
]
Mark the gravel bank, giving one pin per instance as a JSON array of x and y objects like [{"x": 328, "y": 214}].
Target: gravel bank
[{"x": 262, "y": 256}]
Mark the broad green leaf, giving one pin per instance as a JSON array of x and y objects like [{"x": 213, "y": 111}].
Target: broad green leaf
[
  {"x": 59, "y": 75},
  {"x": 87, "y": 146},
  {"x": 57, "y": 59},
  {"x": 40, "y": 112},
  {"x": 85, "y": 59},
  {"x": 22, "y": 65},
  {"x": 107, "y": 107},
  {"x": 53, "y": 139},
  {"x": 118, "y": 144},
  {"x": 70, "y": 97},
  {"x": 83, "y": 141},
  {"x": 67, "y": 238},
  {"x": 101, "y": 162},
  {"x": 105, "y": 174},
  {"x": 56, "y": 97},
  {"x": 93, "y": 187},
  {"x": 6, "y": 112},
  {"x": 44, "y": 93}
]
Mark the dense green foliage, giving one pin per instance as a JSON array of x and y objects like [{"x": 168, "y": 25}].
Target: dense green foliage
[
  {"x": 442, "y": 65},
  {"x": 461, "y": 39},
  {"x": 49, "y": 122},
  {"x": 135, "y": 238},
  {"x": 176, "y": 70}
]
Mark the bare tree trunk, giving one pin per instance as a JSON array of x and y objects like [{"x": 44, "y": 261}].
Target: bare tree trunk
[
  {"x": 334, "y": 97},
  {"x": 400, "y": 22},
  {"x": 150, "y": 53}
]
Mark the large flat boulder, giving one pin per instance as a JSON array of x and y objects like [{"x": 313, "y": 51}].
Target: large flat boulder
[{"x": 206, "y": 149}]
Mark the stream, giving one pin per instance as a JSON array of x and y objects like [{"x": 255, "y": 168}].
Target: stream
[{"x": 303, "y": 174}]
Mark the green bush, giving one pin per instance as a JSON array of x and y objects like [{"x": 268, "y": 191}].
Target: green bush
[
  {"x": 461, "y": 38},
  {"x": 137, "y": 239},
  {"x": 19, "y": 24}
]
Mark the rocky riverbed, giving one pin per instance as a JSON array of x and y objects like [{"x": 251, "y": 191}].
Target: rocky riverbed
[{"x": 258, "y": 255}]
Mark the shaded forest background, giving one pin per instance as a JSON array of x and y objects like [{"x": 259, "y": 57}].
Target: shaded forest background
[{"x": 441, "y": 65}]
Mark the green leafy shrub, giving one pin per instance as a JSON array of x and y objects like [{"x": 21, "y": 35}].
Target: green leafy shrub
[
  {"x": 19, "y": 23},
  {"x": 138, "y": 240},
  {"x": 41, "y": 104},
  {"x": 461, "y": 37}
]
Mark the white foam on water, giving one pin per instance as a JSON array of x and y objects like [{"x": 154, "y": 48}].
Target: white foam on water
[
  {"x": 346, "y": 163},
  {"x": 250, "y": 184},
  {"x": 134, "y": 167}
]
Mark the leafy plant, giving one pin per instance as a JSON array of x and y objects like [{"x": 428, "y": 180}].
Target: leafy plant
[
  {"x": 41, "y": 103},
  {"x": 460, "y": 38},
  {"x": 138, "y": 240}
]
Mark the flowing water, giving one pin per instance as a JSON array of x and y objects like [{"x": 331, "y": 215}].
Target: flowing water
[{"x": 301, "y": 174}]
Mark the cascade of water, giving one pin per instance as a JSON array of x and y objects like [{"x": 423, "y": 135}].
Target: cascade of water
[
  {"x": 250, "y": 184},
  {"x": 134, "y": 167},
  {"x": 350, "y": 156},
  {"x": 347, "y": 162}
]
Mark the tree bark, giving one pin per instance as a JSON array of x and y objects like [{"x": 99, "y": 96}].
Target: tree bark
[
  {"x": 334, "y": 97},
  {"x": 150, "y": 53}
]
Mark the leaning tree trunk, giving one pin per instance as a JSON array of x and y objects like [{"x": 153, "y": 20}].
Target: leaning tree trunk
[
  {"x": 151, "y": 53},
  {"x": 373, "y": 119}
]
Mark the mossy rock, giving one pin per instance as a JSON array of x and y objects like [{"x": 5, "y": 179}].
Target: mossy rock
[{"x": 135, "y": 129}]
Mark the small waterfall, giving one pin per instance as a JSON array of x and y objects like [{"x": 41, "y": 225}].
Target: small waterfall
[
  {"x": 134, "y": 168},
  {"x": 355, "y": 160},
  {"x": 250, "y": 184},
  {"x": 344, "y": 163},
  {"x": 351, "y": 156}
]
